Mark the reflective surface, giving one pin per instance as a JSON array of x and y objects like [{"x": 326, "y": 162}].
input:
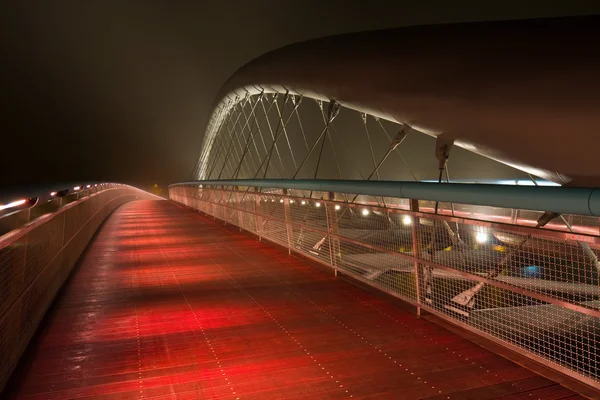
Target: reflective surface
[{"x": 169, "y": 304}]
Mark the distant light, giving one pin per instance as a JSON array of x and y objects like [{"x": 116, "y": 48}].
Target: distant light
[
  {"x": 317, "y": 204},
  {"x": 337, "y": 207},
  {"x": 95, "y": 185},
  {"x": 291, "y": 201},
  {"x": 406, "y": 220},
  {"x": 281, "y": 200},
  {"x": 365, "y": 212},
  {"x": 532, "y": 271},
  {"x": 481, "y": 237},
  {"x": 272, "y": 200},
  {"x": 13, "y": 204},
  {"x": 303, "y": 202},
  {"x": 77, "y": 188},
  {"x": 52, "y": 194},
  {"x": 88, "y": 186}
]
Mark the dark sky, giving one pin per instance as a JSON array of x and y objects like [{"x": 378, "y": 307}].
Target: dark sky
[{"x": 120, "y": 90}]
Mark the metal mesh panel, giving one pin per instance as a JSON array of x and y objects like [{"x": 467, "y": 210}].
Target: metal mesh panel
[
  {"x": 272, "y": 222},
  {"x": 562, "y": 336},
  {"x": 42, "y": 245},
  {"x": 36, "y": 259},
  {"x": 12, "y": 267},
  {"x": 534, "y": 289},
  {"x": 9, "y": 340},
  {"x": 13, "y": 221},
  {"x": 531, "y": 260}
]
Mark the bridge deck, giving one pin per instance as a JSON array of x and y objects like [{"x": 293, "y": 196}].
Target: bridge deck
[{"x": 168, "y": 304}]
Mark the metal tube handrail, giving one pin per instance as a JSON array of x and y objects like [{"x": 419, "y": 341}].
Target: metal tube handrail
[{"x": 564, "y": 200}]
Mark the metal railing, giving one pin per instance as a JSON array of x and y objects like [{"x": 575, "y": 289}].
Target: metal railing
[
  {"x": 26, "y": 206},
  {"x": 528, "y": 280},
  {"x": 38, "y": 256}
]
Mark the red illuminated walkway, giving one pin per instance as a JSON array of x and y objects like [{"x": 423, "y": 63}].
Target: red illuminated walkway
[{"x": 168, "y": 304}]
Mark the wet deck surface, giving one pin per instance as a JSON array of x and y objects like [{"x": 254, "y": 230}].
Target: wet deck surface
[{"x": 169, "y": 304}]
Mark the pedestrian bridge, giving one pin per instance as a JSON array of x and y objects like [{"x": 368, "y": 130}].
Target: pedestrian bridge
[
  {"x": 352, "y": 229},
  {"x": 272, "y": 295}
]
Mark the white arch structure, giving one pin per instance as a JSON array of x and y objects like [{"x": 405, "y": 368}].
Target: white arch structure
[{"x": 523, "y": 93}]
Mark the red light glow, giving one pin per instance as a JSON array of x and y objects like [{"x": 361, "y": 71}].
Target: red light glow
[{"x": 169, "y": 304}]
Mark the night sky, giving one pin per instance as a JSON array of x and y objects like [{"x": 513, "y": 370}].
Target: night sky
[{"x": 121, "y": 90}]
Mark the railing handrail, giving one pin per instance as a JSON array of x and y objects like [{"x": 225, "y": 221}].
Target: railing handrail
[
  {"x": 564, "y": 200},
  {"x": 529, "y": 289},
  {"x": 43, "y": 191}
]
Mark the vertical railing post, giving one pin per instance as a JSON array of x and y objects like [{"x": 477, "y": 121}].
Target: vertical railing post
[
  {"x": 416, "y": 250},
  {"x": 213, "y": 202},
  {"x": 288, "y": 221},
  {"x": 238, "y": 206},
  {"x": 223, "y": 207},
  {"x": 332, "y": 232},
  {"x": 198, "y": 196},
  {"x": 512, "y": 215},
  {"x": 257, "y": 213}
]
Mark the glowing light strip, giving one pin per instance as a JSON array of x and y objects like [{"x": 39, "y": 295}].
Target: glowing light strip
[
  {"x": 13, "y": 204},
  {"x": 513, "y": 182}
]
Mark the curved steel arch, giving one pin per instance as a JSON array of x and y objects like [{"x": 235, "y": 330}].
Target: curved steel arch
[{"x": 524, "y": 93}]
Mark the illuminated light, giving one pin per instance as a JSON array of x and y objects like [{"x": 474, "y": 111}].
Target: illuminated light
[
  {"x": 13, "y": 204},
  {"x": 281, "y": 201},
  {"x": 88, "y": 186},
  {"x": 337, "y": 207},
  {"x": 291, "y": 201},
  {"x": 77, "y": 188},
  {"x": 406, "y": 220},
  {"x": 317, "y": 204},
  {"x": 272, "y": 200},
  {"x": 514, "y": 182},
  {"x": 52, "y": 194},
  {"x": 481, "y": 237},
  {"x": 303, "y": 202},
  {"x": 95, "y": 185},
  {"x": 365, "y": 212},
  {"x": 532, "y": 271}
]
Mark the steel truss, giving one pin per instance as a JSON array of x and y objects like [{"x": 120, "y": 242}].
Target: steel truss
[{"x": 279, "y": 135}]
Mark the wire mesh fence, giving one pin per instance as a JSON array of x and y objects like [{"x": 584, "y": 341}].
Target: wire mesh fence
[
  {"x": 36, "y": 259},
  {"x": 532, "y": 286}
]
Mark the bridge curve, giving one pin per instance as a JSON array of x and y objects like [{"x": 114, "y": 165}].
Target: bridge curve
[{"x": 190, "y": 309}]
